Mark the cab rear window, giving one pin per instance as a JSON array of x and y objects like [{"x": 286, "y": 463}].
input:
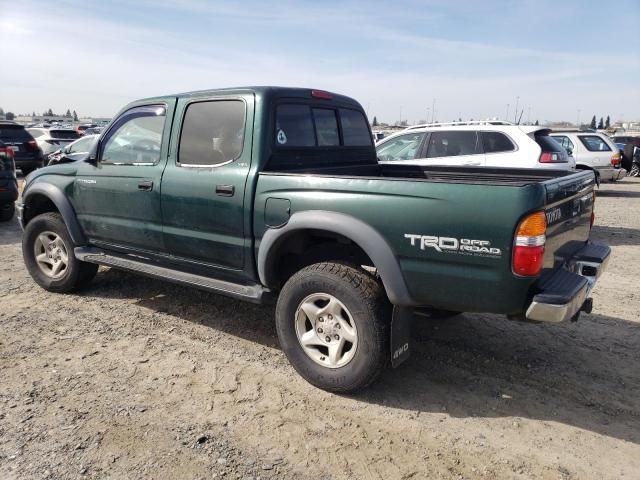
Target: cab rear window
[
  {"x": 300, "y": 125},
  {"x": 64, "y": 134}
]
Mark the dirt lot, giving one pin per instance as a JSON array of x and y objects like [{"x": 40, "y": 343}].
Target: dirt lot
[{"x": 135, "y": 378}]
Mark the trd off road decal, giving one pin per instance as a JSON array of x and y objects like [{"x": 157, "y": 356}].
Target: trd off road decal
[{"x": 461, "y": 246}]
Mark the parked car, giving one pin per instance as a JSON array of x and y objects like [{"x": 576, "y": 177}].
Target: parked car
[
  {"x": 78, "y": 150},
  {"x": 81, "y": 129},
  {"x": 8, "y": 183},
  {"x": 27, "y": 154},
  {"x": 266, "y": 191},
  {"x": 593, "y": 151},
  {"x": 482, "y": 144},
  {"x": 52, "y": 139},
  {"x": 630, "y": 146},
  {"x": 93, "y": 131}
]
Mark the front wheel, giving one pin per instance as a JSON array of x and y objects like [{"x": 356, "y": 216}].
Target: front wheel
[
  {"x": 333, "y": 323},
  {"x": 47, "y": 250}
]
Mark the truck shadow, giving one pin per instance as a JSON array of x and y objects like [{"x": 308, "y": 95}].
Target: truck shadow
[
  {"x": 585, "y": 374},
  {"x": 614, "y": 236}
]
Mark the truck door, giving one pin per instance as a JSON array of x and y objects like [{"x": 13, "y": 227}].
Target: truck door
[
  {"x": 203, "y": 186},
  {"x": 117, "y": 199}
]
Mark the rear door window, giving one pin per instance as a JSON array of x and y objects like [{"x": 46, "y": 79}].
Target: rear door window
[
  {"x": 452, "y": 144},
  {"x": 593, "y": 143},
  {"x": 496, "y": 142},
  {"x": 355, "y": 129},
  {"x": 212, "y": 133}
]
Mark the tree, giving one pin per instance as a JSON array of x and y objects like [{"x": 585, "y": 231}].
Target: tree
[
  {"x": 1, "y": 111},
  {"x": 49, "y": 112},
  {"x": 33, "y": 114},
  {"x": 375, "y": 122},
  {"x": 75, "y": 116},
  {"x": 537, "y": 123},
  {"x": 593, "y": 122},
  {"x": 607, "y": 124},
  {"x": 68, "y": 114},
  {"x": 9, "y": 116},
  {"x": 601, "y": 124}
]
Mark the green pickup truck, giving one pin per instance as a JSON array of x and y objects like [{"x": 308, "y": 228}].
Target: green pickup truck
[{"x": 268, "y": 192}]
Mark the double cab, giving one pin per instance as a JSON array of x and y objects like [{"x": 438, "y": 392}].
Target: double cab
[{"x": 276, "y": 193}]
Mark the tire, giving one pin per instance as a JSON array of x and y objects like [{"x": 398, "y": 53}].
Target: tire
[
  {"x": 26, "y": 171},
  {"x": 49, "y": 231},
  {"x": 7, "y": 210},
  {"x": 358, "y": 303},
  {"x": 635, "y": 170}
]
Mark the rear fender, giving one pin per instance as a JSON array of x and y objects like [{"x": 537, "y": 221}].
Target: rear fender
[{"x": 366, "y": 237}]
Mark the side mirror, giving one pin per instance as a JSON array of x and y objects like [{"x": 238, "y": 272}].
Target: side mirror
[
  {"x": 92, "y": 158},
  {"x": 569, "y": 152}
]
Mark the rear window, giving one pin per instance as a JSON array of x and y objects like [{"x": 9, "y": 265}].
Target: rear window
[
  {"x": 494, "y": 142},
  {"x": 64, "y": 134},
  {"x": 14, "y": 133},
  {"x": 593, "y": 143},
  {"x": 306, "y": 126}
]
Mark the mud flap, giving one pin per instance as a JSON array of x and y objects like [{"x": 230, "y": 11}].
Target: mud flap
[{"x": 400, "y": 335}]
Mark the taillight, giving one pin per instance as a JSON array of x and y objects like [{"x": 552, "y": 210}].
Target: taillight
[
  {"x": 528, "y": 250},
  {"x": 615, "y": 159},
  {"x": 7, "y": 151},
  {"x": 552, "y": 157},
  {"x": 32, "y": 144}
]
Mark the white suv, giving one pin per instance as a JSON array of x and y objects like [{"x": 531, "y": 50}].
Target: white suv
[
  {"x": 593, "y": 151},
  {"x": 480, "y": 143}
]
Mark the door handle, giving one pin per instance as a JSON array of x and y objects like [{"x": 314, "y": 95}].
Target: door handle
[
  {"x": 145, "y": 185},
  {"x": 225, "y": 190}
]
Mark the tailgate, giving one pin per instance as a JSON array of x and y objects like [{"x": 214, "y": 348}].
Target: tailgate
[{"x": 569, "y": 207}]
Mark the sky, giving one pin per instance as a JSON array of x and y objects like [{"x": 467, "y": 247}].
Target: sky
[{"x": 557, "y": 60}]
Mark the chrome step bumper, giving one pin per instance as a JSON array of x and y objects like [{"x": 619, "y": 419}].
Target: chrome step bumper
[{"x": 565, "y": 293}]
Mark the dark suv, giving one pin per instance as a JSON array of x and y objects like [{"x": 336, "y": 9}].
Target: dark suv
[
  {"x": 8, "y": 183},
  {"x": 27, "y": 154}
]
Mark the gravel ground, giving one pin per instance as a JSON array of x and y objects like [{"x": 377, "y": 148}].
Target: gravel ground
[{"x": 135, "y": 378}]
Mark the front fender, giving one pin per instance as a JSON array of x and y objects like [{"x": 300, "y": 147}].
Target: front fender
[
  {"x": 61, "y": 202},
  {"x": 366, "y": 237}
]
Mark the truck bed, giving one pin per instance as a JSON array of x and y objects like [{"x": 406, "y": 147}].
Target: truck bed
[{"x": 441, "y": 174}]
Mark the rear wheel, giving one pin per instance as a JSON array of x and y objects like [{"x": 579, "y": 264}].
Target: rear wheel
[
  {"x": 48, "y": 254},
  {"x": 7, "y": 211},
  {"x": 333, "y": 322}
]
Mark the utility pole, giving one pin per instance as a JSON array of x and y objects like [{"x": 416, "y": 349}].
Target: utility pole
[
  {"x": 506, "y": 117},
  {"x": 515, "y": 116},
  {"x": 433, "y": 109},
  {"x": 427, "y": 117}
]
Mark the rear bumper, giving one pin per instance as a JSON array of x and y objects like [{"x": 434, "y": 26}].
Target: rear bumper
[
  {"x": 611, "y": 174},
  {"x": 8, "y": 191},
  {"x": 563, "y": 294}
]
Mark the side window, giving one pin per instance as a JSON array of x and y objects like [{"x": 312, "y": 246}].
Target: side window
[
  {"x": 454, "y": 143},
  {"x": 136, "y": 137},
  {"x": 495, "y": 142},
  {"x": 355, "y": 129},
  {"x": 212, "y": 133},
  {"x": 326, "y": 127},
  {"x": 594, "y": 143},
  {"x": 81, "y": 146},
  {"x": 404, "y": 147},
  {"x": 294, "y": 126}
]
